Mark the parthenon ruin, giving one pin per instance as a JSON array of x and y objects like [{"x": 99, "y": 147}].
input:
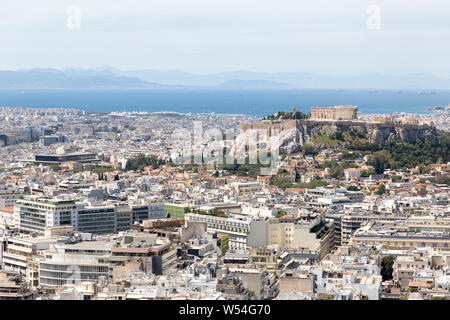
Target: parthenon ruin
[{"x": 334, "y": 113}]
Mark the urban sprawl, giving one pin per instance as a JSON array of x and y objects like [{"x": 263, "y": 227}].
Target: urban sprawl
[{"x": 98, "y": 206}]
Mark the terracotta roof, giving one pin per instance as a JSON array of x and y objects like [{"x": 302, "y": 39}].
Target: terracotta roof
[
  {"x": 418, "y": 284},
  {"x": 9, "y": 209}
]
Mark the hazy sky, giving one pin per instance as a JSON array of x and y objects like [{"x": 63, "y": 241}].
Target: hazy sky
[{"x": 205, "y": 36}]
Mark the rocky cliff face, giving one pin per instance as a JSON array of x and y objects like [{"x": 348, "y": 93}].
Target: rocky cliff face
[{"x": 294, "y": 135}]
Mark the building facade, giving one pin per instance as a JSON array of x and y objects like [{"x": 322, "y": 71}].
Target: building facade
[
  {"x": 237, "y": 230},
  {"x": 334, "y": 113}
]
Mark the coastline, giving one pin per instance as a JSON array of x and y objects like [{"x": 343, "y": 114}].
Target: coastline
[{"x": 224, "y": 102}]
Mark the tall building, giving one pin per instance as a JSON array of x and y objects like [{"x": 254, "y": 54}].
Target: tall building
[
  {"x": 73, "y": 263},
  {"x": 158, "y": 252},
  {"x": 8, "y": 198},
  {"x": 150, "y": 211},
  {"x": 34, "y": 214},
  {"x": 95, "y": 219},
  {"x": 20, "y": 250},
  {"x": 315, "y": 238},
  {"x": 236, "y": 229}
]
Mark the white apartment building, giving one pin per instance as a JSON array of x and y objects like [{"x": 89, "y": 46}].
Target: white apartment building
[
  {"x": 34, "y": 214},
  {"x": 351, "y": 173},
  {"x": 20, "y": 250},
  {"x": 74, "y": 263},
  {"x": 9, "y": 198},
  {"x": 6, "y": 217},
  {"x": 314, "y": 237},
  {"x": 236, "y": 229}
]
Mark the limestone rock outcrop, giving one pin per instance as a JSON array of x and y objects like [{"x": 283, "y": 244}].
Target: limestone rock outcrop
[{"x": 292, "y": 134}]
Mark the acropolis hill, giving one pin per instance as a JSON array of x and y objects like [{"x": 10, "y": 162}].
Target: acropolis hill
[{"x": 295, "y": 132}]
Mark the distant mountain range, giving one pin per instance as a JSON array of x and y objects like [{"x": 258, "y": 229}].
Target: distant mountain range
[
  {"x": 253, "y": 84},
  {"x": 108, "y": 77},
  {"x": 71, "y": 79}
]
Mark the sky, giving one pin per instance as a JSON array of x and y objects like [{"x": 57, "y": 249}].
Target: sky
[{"x": 336, "y": 37}]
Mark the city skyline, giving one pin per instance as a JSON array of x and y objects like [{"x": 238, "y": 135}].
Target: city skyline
[{"x": 225, "y": 155}]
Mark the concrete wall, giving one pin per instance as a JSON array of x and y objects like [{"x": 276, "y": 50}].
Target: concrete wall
[
  {"x": 192, "y": 229},
  {"x": 258, "y": 234},
  {"x": 294, "y": 283}
]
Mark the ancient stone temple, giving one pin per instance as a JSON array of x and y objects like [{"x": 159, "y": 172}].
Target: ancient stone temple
[{"x": 334, "y": 113}]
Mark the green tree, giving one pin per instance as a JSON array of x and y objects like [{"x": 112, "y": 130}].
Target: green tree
[
  {"x": 281, "y": 182},
  {"x": 337, "y": 172},
  {"x": 442, "y": 179},
  {"x": 281, "y": 213},
  {"x": 386, "y": 267},
  {"x": 367, "y": 173},
  {"x": 308, "y": 149},
  {"x": 381, "y": 189},
  {"x": 141, "y": 161},
  {"x": 379, "y": 160}
]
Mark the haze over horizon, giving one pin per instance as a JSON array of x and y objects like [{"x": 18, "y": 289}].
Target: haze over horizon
[
  {"x": 108, "y": 77},
  {"x": 344, "y": 38},
  {"x": 103, "y": 68}
]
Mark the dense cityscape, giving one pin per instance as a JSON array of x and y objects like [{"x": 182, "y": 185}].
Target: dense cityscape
[{"x": 99, "y": 206}]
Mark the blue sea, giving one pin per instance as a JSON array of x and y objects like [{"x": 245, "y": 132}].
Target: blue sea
[{"x": 253, "y": 102}]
